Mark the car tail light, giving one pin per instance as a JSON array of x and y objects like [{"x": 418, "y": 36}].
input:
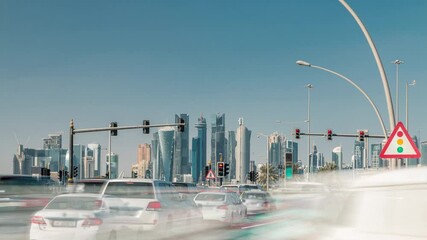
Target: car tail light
[
  {"x": 153, "y": 206},
  {"x": 88, "y": 222},
  {"x": 222, "y": 207},
  {"x": 98, "y": 203},
  {"x": 38, "y": 220}
]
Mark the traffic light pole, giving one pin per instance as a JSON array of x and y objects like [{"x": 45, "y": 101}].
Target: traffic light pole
[
  {"x": 180, "y": 125},
  {"x": 342, "y": 135}
]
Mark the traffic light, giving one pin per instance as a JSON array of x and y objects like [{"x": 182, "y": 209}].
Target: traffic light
[
  {"x": 113, "y": 132},
  {"x": 75, "y": 171},
  {"x": 60, "y": 175},
  {"x": 146, "y": 130},
  {"x": 134, "y": 174},
  {"x": 226, "y": 169},
  {"x": 181, "y": 127},
  {"x": 220, "y": 169},
  {"x": 361, "y": 136},
  {"x": 256, "y": 176},
  {"x": 297, "y": 133},
  {"x": 206, "y": 170},
  {"x": 329, "y": 134},
  {"x": 65, "y": 173}
]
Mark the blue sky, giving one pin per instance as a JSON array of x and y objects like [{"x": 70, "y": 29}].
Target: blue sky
[{"x": 125, "y": 61}]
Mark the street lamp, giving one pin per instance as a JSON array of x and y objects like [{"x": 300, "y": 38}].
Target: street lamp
[
  {"x": 380, "y": 69},
  {"x": 407, "y": 85},
  {"x": 268, "y": 167},
  {"x": 397, "y": 62},
  {"x": 378, "y": 62},
  {"x": 309, "y": 86},
  {"x": 306, "y": 64}
]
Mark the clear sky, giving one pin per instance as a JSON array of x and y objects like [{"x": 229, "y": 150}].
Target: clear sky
[{"x": 126, "y": 61}]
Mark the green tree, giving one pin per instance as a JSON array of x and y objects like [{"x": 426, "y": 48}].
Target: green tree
[
  {"x": 329, "y": 166},
  {"x": 273, "y": 175}
]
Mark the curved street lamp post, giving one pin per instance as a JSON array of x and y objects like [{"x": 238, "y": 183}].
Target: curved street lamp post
[{"x": 306, "y": 64}]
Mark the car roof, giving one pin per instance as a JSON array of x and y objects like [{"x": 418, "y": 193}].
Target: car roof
[{"x": 94, "y": 195}]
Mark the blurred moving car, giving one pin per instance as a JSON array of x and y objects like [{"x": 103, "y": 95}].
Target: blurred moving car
[
  {"x": 221, "y": 206},
  {"x": 152, "y": 205},
  {"x": 257, "y": 202},
  {"x": 240, "y": 188},
  {"x": 22, "y": 195},
  {"x": 389, "y": 205},
  {"x": 74, "y": 216}
]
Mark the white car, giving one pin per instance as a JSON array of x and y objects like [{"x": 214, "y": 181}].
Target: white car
[
  {"x": 387, "y": 205},
  {"x": 74, "y": 216},
  {"x": 221, "y": 206},
  {"x": 257, "y": 201},
  {"x": 153, "y": 206}
]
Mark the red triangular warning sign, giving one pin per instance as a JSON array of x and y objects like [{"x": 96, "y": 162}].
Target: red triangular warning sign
[
  {"x": 400, "y": 144},
  {"x": 210, "y": 175}
]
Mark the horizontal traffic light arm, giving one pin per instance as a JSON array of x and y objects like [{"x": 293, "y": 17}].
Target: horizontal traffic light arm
[
  {"x": 126, "y": 127},
  {"x": 341, "y": 135}
]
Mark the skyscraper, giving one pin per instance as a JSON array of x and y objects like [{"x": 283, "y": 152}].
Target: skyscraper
[
  {"x": 337, "y": 157},
  {"x": 53, "y": 141},
  {"x": 275, "y": 155},
  {"x": 198, "y": 159},
  {"x": 231, "y": 154},
  {"x": 314, "y": 159},
  {"x": 156, "y": 157},
  {"x": 218, "y": 141},
  {"x": 358, "y": 153},
  {"x": 114, "y": 165},
  {"x": 94, "y": 150},
  {"x": 377, "y": 162},
  {"x": 181, "y": 162},
  {"x": 243, "y": 149},
  {"x": 167, "y": 143},
  {"x": 292, "y": 147},
  {"x": 143, "y": 159}
]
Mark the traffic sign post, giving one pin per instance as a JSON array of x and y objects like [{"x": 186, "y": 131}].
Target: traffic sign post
[
  {"x": 210, "y": 176},
  {"x": 400, "y": 144}
]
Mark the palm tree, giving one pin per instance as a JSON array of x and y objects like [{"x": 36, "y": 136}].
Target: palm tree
[
  {"x": 330, "y": 166},
  {"x": 273, "y": 175}
]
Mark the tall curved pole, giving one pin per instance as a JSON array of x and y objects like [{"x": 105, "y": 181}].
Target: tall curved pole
[
  {"x": 379, "y": 64},
  {"x": 306, "y": 64}
]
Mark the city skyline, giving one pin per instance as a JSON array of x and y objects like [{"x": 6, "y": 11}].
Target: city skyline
[{"x": 105, "y": 61}]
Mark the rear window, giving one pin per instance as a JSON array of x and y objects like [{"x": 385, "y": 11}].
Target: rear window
[
  {"x": 130, "y": 190},
  {"x": 258, "y": 196},
  {"x": 89, "y": 187},
  {"x": 210, "y": 197},
  {"x": 75, "y": 203}
]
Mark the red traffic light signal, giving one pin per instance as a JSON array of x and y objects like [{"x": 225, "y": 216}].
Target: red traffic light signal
[
  {"x": 220, "y": 169},
  {"x": 297, "y": 133},
  {"x": 329, "y": 134},
  {"x": 361, "y": 136}
]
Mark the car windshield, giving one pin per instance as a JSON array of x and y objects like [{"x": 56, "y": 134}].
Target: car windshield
[
  {"x": 130, "y": 190},
  {"x": 75, "y": 203},
  {"x": 211, "y": 197}
]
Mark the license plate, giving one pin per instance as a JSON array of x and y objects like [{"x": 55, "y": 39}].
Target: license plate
[{"x": 64, "y": 223}]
